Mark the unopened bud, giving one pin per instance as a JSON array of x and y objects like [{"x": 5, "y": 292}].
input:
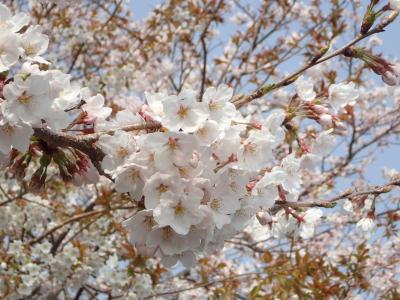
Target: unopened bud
[
  {"x": 368, "y": 21},
  {"x": 263, "y": 218},
  {"x": 391, "y": 78},
  {"x": 325, "y": 120},
  {"x": 38, "y": 180},
  {"x": 319, "y": 109}
]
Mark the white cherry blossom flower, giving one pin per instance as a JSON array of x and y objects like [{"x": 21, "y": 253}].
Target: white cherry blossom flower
[
  {"x": 183, "y": 112},
  {"x": 366, "y": 224},
  {"x": 342, "y": 94},
  {"x": 9, "y": 52},
  {"x": 187, "y": 258},
  {"x": 139, "y": 226},
  {"x": 118, "y": 148},
  {"x": 217, "y": 101},
  {"x": 168, "y": 240},
  {"x": 12, "y": 22},
  {"x": 222, "y": 207},
  {"x": 169, "y": 148},
  {"x": 273, "y": 125},
  {"x": 232, "y": 182},
  {"x": 157, "y": 185},
  {"x": 15, "y": 135},
  {"x": 155, "y": 103},
  {"x": 227, "y": 146},
  {"x": 256, "y": 151},
  {"x": 130, "y": 179},
  {"x": 290, "y": 166},
  {"x": 94, "y": 107},
  {"x": 311, "y": 217},
  {"x": 28, "y": 99},
  {"x": 243, "y": 215},
  {"x": 305, "y": 88},
  {"x": 208, "y": 133},
  {"x": 179, "y": 212},
  {"x": 265, "y": 190},
  {"x": 126, "y": 117},
  {"x": 395, "y": 5},
  {"x": 324, "y": 143},
  {"x": 34, "y": 44}
]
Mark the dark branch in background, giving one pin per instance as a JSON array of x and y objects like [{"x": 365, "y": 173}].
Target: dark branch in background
[
  {"x": 240, "y": 101},
  {"x": 204, "y": 70},
  {"x": 346, "y": 195}
]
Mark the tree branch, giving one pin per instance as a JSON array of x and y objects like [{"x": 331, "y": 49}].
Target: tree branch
[
  {"x": 348, "y": 194},
  {"x": 239, "y": 102}
]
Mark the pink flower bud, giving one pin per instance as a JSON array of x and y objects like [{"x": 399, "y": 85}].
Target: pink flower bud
[
  {"x": 391, "y": 78},
  {"x": 325, "y": 120},
  {"x": 319, "y": 109},
  {"x": 256, "y": 125},
  {"x": 263, "y": 218},
  {"x": 144, "y": 113}
]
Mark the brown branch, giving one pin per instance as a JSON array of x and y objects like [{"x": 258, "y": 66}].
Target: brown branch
[
  {"x": 204, "y": 69},
  {"x": 204, "y": 285},
  {"x": 68, "y": 221},
  {"x": 86, "y": 143},
  {"x": 239, "y": 102},
  {"x": 348, "y": 194}
]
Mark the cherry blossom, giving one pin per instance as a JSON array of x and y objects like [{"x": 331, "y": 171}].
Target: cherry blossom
[
  {"x": 342, "y": 94},
  {"x": 178, "y": 213},
  {"x": 157, "y": 185},
  {"x": 130, "y": 179},
  {"x": 14, "y": 135},
  {"x": 28, "y": 99},
  {"x": 9, "y": 52},
  {"x": 183, "y": 112},
  {"x": 395, "y": 5},
  {"x": 217, "y": 101},
  {"x": 366, "y": 224},
  {"x": 34, "y": 44},
  {"x": 305, "y": 88},
  {"x": 256, "y": 151},
  {"x": 118, "y": 148},
  {"x": 171, "y": 161}
]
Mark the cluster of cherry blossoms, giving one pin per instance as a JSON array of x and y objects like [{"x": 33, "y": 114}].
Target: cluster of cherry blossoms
[
  {"x": 210, "y": 172},
  {"x": 205, "y": 174},
  {"x": 32, "y": 96}
]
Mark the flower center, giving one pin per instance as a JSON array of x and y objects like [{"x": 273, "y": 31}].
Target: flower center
[
  {"x": 151, "y": 157},
  {"x": 25, "y": 99},
  {"x": 167, "y": 233},
  {"x": 7, "y": 129},
  {"x": 183, "y": 111},
  {"x": 30, "y": 50},
  {"x": 134, "y": 175},
  {"x": 162, "y": 188},
  {"x": 212, "y": 105},
  {"x": 183, "y": 171},
  {"x": 122, "y": 152},
  {"x": 173, "y": 143},
  {"x": 215, "y": 204},
  {"x": 179, "y": 209},
  {"x": 202, "y": 131},
  {"x": 149, "y": 221},
  {"x": 250, "y": 148}
]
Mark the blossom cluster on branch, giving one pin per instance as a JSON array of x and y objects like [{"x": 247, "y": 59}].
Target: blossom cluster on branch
[{"x": 191, "y": 169}]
